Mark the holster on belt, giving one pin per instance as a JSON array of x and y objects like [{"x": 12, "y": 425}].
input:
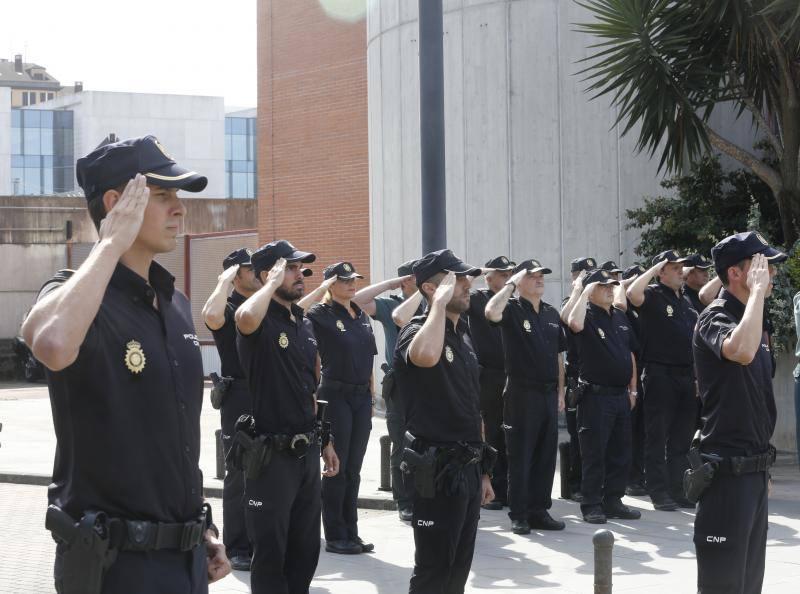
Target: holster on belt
[
  {"x": 576, "y": 391},
  {"x": 219, "y": 389},
  {"x": 387, "y": 385},
  {"x": 702, "y": 470},
  {"x": 249, "y": 451},
  {"x": 88, "y": 554},
  {"x": 421, "y": 466}
]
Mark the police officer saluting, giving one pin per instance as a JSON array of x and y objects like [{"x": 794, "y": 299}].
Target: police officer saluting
[
  {"x": 488, "y": 342},
  {"x": 734, "y": 373},
  {"x": 230, "y": 393},
  {"x": 278, "y": 450},
  {"x": 380, "y": 309},
  {"x": 533, "y": 341},
  {"x": 670, "y": 406},
  {"x": 608, "y": 393},
  {"x": 126, "y": 388},
  {"x": 347, "y": 349},
  {"x": 437, "y": 372}
]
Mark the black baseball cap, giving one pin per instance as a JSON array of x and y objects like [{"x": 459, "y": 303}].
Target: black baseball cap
[
  {"x": 600, "y": 276},
  {"x": 531, "y": 266},
  {"x": 632, "y": 271},
  {"x": 734, "y": 249},
  {"x": 115, "y": 163},
  {"x": 500, "y": 263},
  {"x": 581, "y": 264},
  {"x": 611, "y": 266},
  {"x": 265, "y": 257},
  {"x": 669, "y": 256},
  {"x": 697, "y": 261},
  {"x": 341, "y": 270},
  {"x": 441, "y": 261},
  {"x": 406, "y": 268},
  {"x": 240, "y": 257}
]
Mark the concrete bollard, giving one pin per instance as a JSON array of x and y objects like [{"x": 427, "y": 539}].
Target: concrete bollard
[
  {"x": 386, "y": 471},
  {"x": 603, "y": 541},
  {"x": 220, "y": 455}
]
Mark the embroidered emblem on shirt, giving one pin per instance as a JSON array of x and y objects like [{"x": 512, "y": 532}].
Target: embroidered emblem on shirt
[
  {"x": 134, "y": 357},
  {"x": 448, "y": 353},
  {"x": 670, "y": 311},
  {"x": 283, "y": 340},
  {"x": 527, "y": 325},
  {"x": 340, "y": 325},
  {"x": 601, "y": 333}
]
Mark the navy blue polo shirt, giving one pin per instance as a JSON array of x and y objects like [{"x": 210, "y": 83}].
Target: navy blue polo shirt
[
  {"x": 225, "y": 339},
  {"x": 693, "y": 297},
  {"x": 279, "y": 360},
  {"x": 346, "y": 344},
  {"x": 442, "y": 402},
  {"x": 606, "y": 344},
  {"x": 531, "y": 340},
  {"x": 126, "y": 412},
  {"x": 739, "y": 412},
  {"x": 487, "y": 339},
  {"x": 667, "y": 322}
]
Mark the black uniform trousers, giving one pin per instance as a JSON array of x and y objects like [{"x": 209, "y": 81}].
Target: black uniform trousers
[
  {"x": 152, "y": 572},
  {"x": 670, "y": 409},
  {"x": 530, "y": 419},
  {"x": 234, "y": 533},
  {"x": 350, "y": 414},
  {"x": 571, "y": 416},
  {"x": 493, "y": 383},
  {"x": 604, "y": 421},
  {"x": 402, "y": 493},
  {"x": 730, "y": 535},
  {"x": 445, "y": 527},
  {"x": 283, "y": 509},
  {"x": 636, "y": 474}
]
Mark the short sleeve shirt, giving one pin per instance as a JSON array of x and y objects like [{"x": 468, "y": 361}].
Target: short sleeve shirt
[
  {"x": 487, "y": 339},
  {"x": 442, "y": 402},
  {"x": 739, "y": 412},
  {"x": 225, "y": 339},
  {"x": 693, "y": 297},
  {"x": 126, "y": 412},
  {"x": 606, "y": 344},
  {"x": 346, "y": 344},
  {"x": 667, "y": 322},
  {"x": 531, "y": 340},
  {"x": 279, "y": 360}
]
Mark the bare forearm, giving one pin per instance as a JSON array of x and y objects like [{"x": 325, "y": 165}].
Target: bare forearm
[
  {"x": 633, "y": 384},
  {"x": 569, "y": 305},
  {"x": 636, "y": 289},
  {"x": 425, "y": 349},
  {"x": 405, "y": 311},
  {"x": 57, "y": 326},
  {"x": 620, "y": 298},
  {"x": 561, "y": 373},
  {"x": 313, "y": 297},
  {"x": 214, "y": 308},
  {"x": 745, "y": 340},
  {"x": 710, "y": 290},
  {"x": 577, "y": 317},
  {"x": 251, "y": 313},
  {"x": 497, "y": 304},
  {"x": 368, "y": 294}
]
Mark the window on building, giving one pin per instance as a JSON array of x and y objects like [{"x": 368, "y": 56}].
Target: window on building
[
  {"x": 240, "y": 159},
  {"x": 42, "y": 151}
]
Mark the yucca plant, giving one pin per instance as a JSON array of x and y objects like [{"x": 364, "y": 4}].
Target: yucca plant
[{"x": 668, "y": 63}]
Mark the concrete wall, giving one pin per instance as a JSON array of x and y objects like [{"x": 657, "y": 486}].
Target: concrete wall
[
  {"x": 192, "y": 129},
  {"x": 5, "y": 142}
]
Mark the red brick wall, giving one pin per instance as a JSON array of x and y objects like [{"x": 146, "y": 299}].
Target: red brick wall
[{"x": 313, "y": 186}]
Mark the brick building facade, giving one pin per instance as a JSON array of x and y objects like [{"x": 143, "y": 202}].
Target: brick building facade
[{"x": 313, "y": 182}]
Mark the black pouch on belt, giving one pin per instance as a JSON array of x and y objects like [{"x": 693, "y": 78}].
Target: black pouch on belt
[
  {"x": 87, "y": 554},
  {"x": 577, "y": 392},
  {"x": 219, "y": 389},
  {"x": 700, "y": 475},
  {"x": 421, "y": 466},
  {"x": 387, "y": 385}
]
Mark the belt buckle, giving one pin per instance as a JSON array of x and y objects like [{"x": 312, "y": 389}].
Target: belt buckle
[
  {"x": 299, "y": 445},
  {"x": 190, "y": 535}
]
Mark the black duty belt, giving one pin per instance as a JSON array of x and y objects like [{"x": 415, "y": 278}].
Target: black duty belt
[
  {"x": 296, "y": 444},
  {"x": 739, "y": 465},
  {"x": 670, "y": 370},
  {"x": 603, "y": 390},
  {"x": 342, "y": 386},
  {"x": 543, "y": 387}
]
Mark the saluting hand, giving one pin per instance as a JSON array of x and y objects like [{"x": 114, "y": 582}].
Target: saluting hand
[
  {"x": 122, "y": 224},
  {"x": 228, "y": 275},
  {"x": 398, "y": 282},
  {"x": 444, "y": 292},
  {"x": 518, "y": 276},
  {"x": 277, "y": 272},
  {"x": 327, "y": 283},
  {"x": 577, "y": 284},
  {"x": 589, "y": 288},
  {"x": 758, "y": 276}
]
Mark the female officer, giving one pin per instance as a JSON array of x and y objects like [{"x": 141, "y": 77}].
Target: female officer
[{"x": 347, "y": 348}]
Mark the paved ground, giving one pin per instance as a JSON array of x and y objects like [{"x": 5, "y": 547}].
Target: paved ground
[{"x": 653, "y": 555}]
